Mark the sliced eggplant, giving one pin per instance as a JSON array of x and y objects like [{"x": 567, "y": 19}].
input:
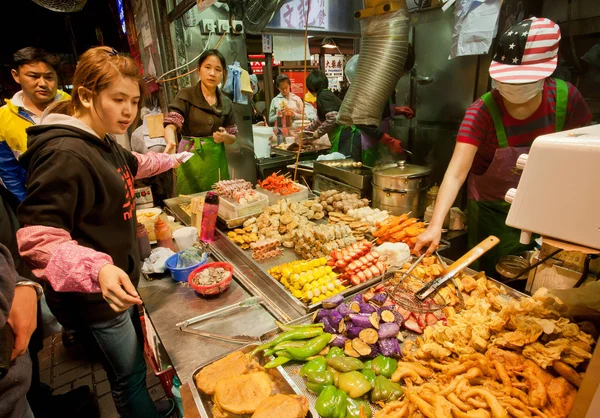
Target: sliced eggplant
[
  {"x": 388, "y": 330},
  {"x": 369, "y": 335},
  {"x": 361, "y": 347},
  {"x": 349, "y": 350},
  {"x": 375, "y": 319}
]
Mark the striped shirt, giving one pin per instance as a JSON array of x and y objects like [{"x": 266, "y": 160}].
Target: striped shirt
[{"x": 478, "y": 129}]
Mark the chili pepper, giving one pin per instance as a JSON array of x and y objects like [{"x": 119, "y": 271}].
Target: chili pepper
[
  {"x": 276, "y": 362},
  {"x": 286, "y": 344},
  {"x": 384, "y": 366},
  {"x": 353, "y": 408},
  {"x": 269, "y": 352},
  {"x": 369, "y": 375},
  {"x": 316, "y": 381},
  {"x": 335, "y": 352},
  {"x": 286, "y": 327},
  {"x": 311, "y": 347},
  {"x": 354, "y": 384},
  {"x": 385, "y": 390},
  {"x": 317, "y": 365},
  {"x": 345, "y": 364},
  {"x": 296, "y": 334}
]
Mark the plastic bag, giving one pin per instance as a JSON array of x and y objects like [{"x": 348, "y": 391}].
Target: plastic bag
[{"x": 191, "y": 256}]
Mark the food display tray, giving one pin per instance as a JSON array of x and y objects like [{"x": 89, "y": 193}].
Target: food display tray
[
  {"x": 229, "y": 210},
  {"x": 274, "y": 197},
  {"x": 283, "y": 384}
]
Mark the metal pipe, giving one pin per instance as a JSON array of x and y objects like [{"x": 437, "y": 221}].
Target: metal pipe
[{"x": 383, "y": 51}]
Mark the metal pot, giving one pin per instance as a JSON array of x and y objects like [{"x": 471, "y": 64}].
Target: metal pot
[{"x": 400, "y": 188}]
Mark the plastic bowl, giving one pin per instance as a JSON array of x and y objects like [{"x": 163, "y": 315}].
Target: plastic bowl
[
  {"x": 181, "y": 274},
  {"x": 213, "y": 289}
]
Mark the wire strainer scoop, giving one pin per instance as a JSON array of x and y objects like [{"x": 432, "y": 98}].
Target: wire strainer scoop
[{"x": 402, "y": 286}]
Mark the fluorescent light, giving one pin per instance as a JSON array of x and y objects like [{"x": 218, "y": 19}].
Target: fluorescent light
[{"x": 328, "y": 43}]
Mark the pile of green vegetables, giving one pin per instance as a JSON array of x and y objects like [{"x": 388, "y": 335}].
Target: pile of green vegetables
[{"x": 345, "y": 384}]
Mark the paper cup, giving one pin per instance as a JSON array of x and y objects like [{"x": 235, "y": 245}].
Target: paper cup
[{"x": 185, "y": 237}]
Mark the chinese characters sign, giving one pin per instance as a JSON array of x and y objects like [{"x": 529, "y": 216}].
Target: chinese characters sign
[
  {"x": 293, "y": 14},
  {"x": 334, "y": 65}
]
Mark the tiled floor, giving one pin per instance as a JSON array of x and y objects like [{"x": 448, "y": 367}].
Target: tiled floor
[{"x": 68, "y": 368}]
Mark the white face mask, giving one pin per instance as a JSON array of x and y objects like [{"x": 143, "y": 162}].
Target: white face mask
[{"x": 519, "y": 93}]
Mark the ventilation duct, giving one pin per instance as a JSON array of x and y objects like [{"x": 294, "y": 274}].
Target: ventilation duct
[
  {"x": 255, "y": 14},
  {"x": 383, "y": 51},
  {"x": 64, "y": 6}
]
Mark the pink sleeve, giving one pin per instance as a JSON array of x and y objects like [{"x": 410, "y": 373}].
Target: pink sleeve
[
  {"x": 54, "y": 256},
  {"x": 152, "y": 163}
]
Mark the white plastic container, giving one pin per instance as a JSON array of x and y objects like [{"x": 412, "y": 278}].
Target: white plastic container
[
  {"x": 185, "y": 237},
  {"x": 274, "y": 197},
  {"x": 229, "y": 209},
  {"x": 262, "y": 141}
]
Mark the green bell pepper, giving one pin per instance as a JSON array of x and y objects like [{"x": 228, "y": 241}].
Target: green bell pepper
[
  {"x": 318, "y": 364},
  {"x": 316, "y": 381},
  {"x": 369, "y": 375},
  {"x": 345, "y": 364},
  {"x": 331, "y": 403},
  {"x": 311, "y": 347},
  {"x": 385, "y": 390},
  {"x": 369, "y": 364},
  {"x": 384, "y": 366},
  {"x": 354, "y": 384},
  {"x": 276, "y": 362},
  {"x": 336, "y": 375},
  {"x": 353, "y": 408},
  {"x": 335, "y": 352}
]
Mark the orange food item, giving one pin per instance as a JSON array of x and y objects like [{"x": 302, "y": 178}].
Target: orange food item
[{"x": 279, "y": 184}]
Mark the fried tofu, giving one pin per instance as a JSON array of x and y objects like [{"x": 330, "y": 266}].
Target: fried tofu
[
  {"x": 243, "y": 394},
  {"x": 282, "y": 406},
  {"x": 235, "y": 364}
]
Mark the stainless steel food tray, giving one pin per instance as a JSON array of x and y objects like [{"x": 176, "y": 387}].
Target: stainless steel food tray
[{"x": 283, "y": 383}]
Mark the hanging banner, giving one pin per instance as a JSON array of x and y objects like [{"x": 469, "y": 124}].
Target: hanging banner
[{"x": 293, "y": 14}]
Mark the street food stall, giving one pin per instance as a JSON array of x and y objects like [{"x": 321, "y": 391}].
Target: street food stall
[{"x": 333, "y": 317}]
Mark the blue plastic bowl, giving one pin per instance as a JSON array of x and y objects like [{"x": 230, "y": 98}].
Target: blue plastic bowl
[{"x": 181, "y": 274}]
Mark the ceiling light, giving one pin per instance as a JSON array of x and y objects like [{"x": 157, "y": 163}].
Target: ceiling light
[{"x": 328, "y": 43}]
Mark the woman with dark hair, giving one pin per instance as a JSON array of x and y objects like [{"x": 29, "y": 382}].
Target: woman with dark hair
[
  {"x": 344, "y": 139},
  {"x": 285, "y": 103},
  {"x": 204, "y": 117}
]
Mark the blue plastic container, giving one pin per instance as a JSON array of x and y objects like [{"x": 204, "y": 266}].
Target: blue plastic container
[{"x": 181, "y": 274}]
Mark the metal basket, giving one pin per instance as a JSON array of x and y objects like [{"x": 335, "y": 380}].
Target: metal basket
[{"x": 401, "y": 288}]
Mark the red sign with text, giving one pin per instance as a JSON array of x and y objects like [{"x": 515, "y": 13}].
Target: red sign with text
[{"x": 298, "y": 78}]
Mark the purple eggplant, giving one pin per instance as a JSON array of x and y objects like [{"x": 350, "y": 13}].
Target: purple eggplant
[
  {"x": 367, "y": 308},
  {"x": 343, "y": 309},
  {"x": 353, "y": 331},
  {"x": 328, "y": 325},
  {"x": 361, "y": 320},
  {"x": 334, "y": 318},
  {"x": 379, "y": 299},
  {"x": 389, "y": 347},
  {"x": 374, "y": 351},
  {"x": 333, "y": 302},
  {"x": 338, "y": 341},
  {"x": 388, "y": 330},
  {"x": 358, "y": 298},
  {"x": 321, "y": 313}
]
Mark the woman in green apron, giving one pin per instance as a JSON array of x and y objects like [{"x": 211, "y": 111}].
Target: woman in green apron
[
  {"x": 204, "y": 117},
  {"x": 501, "y": 126},
  {"x": 344, "y": 139}
]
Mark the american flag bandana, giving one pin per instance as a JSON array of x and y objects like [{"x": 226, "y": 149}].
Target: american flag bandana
[{"x": 527, "y": 52}]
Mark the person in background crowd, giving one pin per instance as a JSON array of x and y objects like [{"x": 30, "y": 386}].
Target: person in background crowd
[
  {"x": 257, "y": 116},
  {"x": 82, "y": 241},
  {"x": 285, "y": 103},
  {"x": 344, "y": 139},
  {"x": 205, "y": 118},
  {"x": 498, "y": 128},
  {"x": 35, "y": 71}
]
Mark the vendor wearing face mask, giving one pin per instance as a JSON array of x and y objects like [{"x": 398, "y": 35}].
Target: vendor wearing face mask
[{"x": 499, "y": 127}]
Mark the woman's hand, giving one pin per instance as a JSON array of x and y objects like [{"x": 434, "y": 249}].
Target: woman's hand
[
  {"x": 430, "y": 239},
  {"x": 117, "y": 288},
  {"x": 171, "y": 139},
  {"x": 23, "y": 318},
  {"x": 222, "y": 136}
]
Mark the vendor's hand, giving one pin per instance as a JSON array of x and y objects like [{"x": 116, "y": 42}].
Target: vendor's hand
[
  {"x": 170, "y": 148},
  {"x": 22, "y": 318},
  {"x": 219, "y": 136},
  {"x": 429, "y": 239},
  {"x": 289, "y": 112},
  {"x": 176, "y": 163},
  {"x": 117, "y": 288}
]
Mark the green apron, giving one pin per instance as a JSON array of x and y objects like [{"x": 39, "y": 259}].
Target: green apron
[
  {"x": 201, "y": 171},
  {"x": 334, "y": 137},
  {"x": 487, "y": 210}
]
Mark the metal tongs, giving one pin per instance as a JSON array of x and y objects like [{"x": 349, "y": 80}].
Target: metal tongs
[{"x": 235, "y": 339}]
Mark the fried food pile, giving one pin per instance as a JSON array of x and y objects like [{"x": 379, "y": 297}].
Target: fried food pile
[
  {"x": 497, "y": 358},
  {"x": 281, "y": 219},
  {"x": 241, "y": 387}
]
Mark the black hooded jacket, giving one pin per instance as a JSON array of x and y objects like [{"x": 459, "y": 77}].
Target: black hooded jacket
[{"x": 84, "y": 185}]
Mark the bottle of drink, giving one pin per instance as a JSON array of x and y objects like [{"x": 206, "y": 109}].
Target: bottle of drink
[
  {"x": 143, "y": 241},
  {"x": 177, "y": 395},
  {"x": 164, "y": 238},
  {"x": 209, "y": 217}
]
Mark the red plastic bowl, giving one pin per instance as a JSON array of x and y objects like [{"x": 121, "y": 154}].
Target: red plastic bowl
[{"x": 212, "y": 289}]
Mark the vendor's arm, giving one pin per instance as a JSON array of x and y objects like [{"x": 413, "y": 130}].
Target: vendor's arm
[
  {"x": 273, "y": 109},
  {"x": 152, "y": 163},
  {"x": 59, "y": 196},
  {"x": 173, "y": 122},
  {"x": 229, "y": 133},
  {"x": 328, "y": 124}
]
